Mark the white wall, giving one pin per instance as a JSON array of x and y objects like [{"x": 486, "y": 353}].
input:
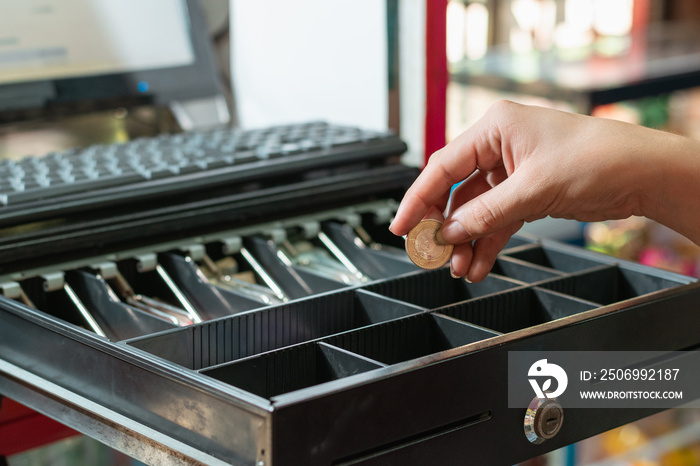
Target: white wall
[{"x": 305, "y": 60}]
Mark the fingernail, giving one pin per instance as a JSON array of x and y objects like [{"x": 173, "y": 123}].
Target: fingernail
[
  {"x": 452, "y": 273},
  {"x": 467, "y": 279},
  {"x": 439, "y": 239},
  {"x": 450, "y": 233}
]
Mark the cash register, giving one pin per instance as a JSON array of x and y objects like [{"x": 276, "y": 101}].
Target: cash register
[{"x": 233, "y": 296}]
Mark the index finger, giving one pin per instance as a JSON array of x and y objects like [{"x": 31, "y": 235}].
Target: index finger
[{"x": 446, "y": 167}]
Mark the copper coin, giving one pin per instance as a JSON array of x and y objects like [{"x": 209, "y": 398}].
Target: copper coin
[{"x": 422, "y": 247}]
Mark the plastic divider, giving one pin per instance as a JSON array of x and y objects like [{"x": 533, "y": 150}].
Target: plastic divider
[
  {"x": 409, "y": 338},
  {"x": 553, "y": 259},
  {"x": 516, "y": 309},
  {"x": 437, "y": 288},
  {"x": 56, "y": 302},
  {"x": 608, "y": 284},
  {"x": 147, "y": 281},
  {"x": 523, "y": 271},
  {"x": 318, "y": 281},
  {"x": 286, "y": 370},
  {"x": 517, "y": 241},
  {"x": 267, "y": 329}
]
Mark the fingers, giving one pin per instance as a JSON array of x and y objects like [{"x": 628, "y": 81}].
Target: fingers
[
  {"x": 475, "y": 261},
  {"x": 414, "y": 208},
  {"x": 478, "y": 146},
  {"x": 435, "y": 214},
  {"x": 492, "y": 210},
  {"x": 486, "y": 251},
  {"x": 472, "y": 187},
  {"x": 431, "y": 189},
  {"x": 461, "y": 259}
]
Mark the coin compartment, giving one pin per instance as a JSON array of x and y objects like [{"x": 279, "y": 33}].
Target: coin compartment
[
  {"x": 266, "y": 329},
  {"x": 609, "y": 284},
  {"x": 286, "y": 370},
  {"x": 522, "y": 270},
  {"x": 517, "y": 309},
  {"x": 553, "y": 259},
  {"x": 436, "y": 288},
  {"x": 410, "y": 338},
  {"x": 348, "y": 353}
]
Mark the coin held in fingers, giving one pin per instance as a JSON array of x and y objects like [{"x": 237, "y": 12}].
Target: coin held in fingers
[{"x": 422, "y": 247}]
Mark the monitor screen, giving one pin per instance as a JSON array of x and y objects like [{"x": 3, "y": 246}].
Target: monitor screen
[{"x": 71, "y": 54}]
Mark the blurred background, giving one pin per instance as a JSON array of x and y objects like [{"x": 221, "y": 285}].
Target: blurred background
[{"x": 630, "y": 60}]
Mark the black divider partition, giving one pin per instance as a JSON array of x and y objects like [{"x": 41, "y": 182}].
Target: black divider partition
[
  {"x": 146, "y": 281},
  {"x": 255, "y": 332},
  {"x": 290, "y": 369},
  {"x": 553, "y": 259},
  {"x": 523, "y": 271},
  {"x": 609, "y": 284},
  {"x": 410, "y": 338},
  {"x": 348, "y": 353},
  {"x": 436, "y": 288},
  {"x": 517, "y": 309},
  {"x": 55, "y": 302},
  {"x": 518, "y": 241}
]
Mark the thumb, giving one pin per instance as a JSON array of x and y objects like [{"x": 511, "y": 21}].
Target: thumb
[{"x": 505, "y": 204}]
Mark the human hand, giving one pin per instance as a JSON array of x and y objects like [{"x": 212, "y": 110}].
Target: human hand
[{"x": 522, "y": 163}]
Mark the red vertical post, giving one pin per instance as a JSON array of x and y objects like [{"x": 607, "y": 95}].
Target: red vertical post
[
  {"x": 436, "y": 76},
  {"x": 22, "y": 429},
  {"x": 640, "y": 16}
]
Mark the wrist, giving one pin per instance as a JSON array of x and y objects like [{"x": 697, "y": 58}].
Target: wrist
[{"x": 669, "y": 191}]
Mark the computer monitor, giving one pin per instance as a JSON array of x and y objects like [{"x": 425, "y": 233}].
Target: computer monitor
[{"x": 84, "y": 55}]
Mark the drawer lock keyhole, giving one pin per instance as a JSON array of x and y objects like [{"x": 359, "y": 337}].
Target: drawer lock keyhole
[{"x": 543, "y": 419}]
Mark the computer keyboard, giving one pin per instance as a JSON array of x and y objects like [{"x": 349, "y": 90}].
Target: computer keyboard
[{"x": 177, "y": 162}]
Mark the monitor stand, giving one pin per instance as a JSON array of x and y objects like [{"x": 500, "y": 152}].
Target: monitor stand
[{"x": 204, "y": 113}]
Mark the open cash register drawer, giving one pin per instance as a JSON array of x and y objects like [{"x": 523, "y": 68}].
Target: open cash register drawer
[{"x": 285, "y": 325}]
